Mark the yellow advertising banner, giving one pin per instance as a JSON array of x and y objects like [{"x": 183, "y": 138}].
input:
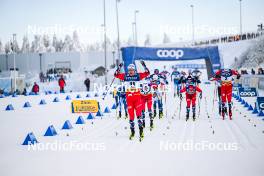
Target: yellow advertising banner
[{"x": 84, "y": 106}]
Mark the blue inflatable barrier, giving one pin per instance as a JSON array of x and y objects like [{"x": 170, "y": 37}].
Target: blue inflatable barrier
[
  {"x": 56, "y": 99},
  {"x": 114, "y": 106},
  {"x": 27, "y": 105},
  {"x": 9, "y": 107},
  {"x": 68, "y": 97},
  {"x": 78, "y": 96},
  {"x": 42, "y": 102},
  {"x": 99, "y": 113},
  {"x": 30, "y": 139},
  {"x": 255, "y": 110},
  {"x": 90, "y": 116},
  {"x": 80, "y": 120},
  {"x": 260, "y": 114},
  {"x": 67, "y": 125},
  {"x": 107, "y": 110},
  {"x": 246, "y": 105},
  {"x": 243, "y": 102},
  {"x": 51, "y": 131},
  {"x": 250, "y": 108}
]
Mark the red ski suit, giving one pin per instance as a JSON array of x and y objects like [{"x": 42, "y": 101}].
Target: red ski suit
[
  {"x": 133, "y": 95},
  {"x": 191, "y": 94},
  {"x": 146, "y": 96},
  {"x": 225, "y": 77}
]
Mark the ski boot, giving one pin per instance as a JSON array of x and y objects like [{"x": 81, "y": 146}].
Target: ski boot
[
  {"x": 132, "y": 128},
  {"x": 230, "y": 111},
  {"x": 160, "y": 114},
  {"x": 132, "y": 135},
  {"x": 224, "y": 111}
]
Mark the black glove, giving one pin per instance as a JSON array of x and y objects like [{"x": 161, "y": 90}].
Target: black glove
[
  {"x": 181, "y": 96},
  {"x": 238, "y": 76},
  {"x": 201, "y": 95}
]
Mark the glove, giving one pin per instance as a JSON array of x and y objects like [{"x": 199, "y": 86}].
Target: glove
[
  {"x": 238, "y": 76},
  {"x": 201, "y": 95},
  {"x": 181, "y": 96},
  {"x": 143, "y": 63}
]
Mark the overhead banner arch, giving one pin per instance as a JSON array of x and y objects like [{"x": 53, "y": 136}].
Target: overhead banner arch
[{"x": 209, "y": 54}]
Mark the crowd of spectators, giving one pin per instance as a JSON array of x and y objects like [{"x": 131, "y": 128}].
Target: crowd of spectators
[
  {"x": 231, "y": 38},
  {"x": 260, "y": 71}
]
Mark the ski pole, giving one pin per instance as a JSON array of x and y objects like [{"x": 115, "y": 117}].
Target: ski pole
[
  {"x": 118, "y": 70},
  {"x": 108, "y": 88},
  {"x": 199, "y": 107},
  {"x": 180, "y": 110}
]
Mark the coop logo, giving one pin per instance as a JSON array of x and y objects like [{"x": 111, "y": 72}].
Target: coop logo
[
  {"x": 247, "y": 94},
  {"x": 261, "y": 105},
  {"x": 170, "y": 53}
]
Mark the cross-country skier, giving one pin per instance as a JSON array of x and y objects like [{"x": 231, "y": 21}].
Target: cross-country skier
[
  {"x": 176, "y": 77},
  {"x": 226, "y": 77},
  {"x": 196, "y": 75},
  {"x": 190, "y": 89},
  {"x": 218, "y": 84},
  {"x": 165, "y": 72},
  {"x": 121, "y": 93},
  {"x": 156, "y": 84},
  {"x": 133, "y": 96},
  {"x": 146, "y": 98}
]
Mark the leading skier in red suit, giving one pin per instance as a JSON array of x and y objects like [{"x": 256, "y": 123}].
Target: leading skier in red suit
[
  {"x": 133, "y": 95},
  {"x": 225, "y": 78}
]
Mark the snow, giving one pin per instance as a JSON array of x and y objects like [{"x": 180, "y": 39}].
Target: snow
[{"x": 122, "y": 156}]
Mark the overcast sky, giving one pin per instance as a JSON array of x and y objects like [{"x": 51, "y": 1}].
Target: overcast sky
[{"x": 211, "y": 18}]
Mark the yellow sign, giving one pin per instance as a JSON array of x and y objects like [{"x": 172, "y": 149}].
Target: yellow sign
[{"x": 84, "y": 106}]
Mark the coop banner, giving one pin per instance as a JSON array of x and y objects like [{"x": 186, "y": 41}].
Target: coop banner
[
  {"x": 247, "y": 92},
  {"x": 84, "y": 106},
  {"x": 260, "y": 103}
]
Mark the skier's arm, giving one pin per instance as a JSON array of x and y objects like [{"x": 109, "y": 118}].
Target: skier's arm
[
  {"x": 183, "y": 90},
  {"x": 198, "y": 89},
  {"x": 234, "y": 72},
  {"x": 120, "y": 76},
  {"x": 144, "y": 74}
]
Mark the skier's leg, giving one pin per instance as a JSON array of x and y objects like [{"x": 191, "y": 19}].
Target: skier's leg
[
  {"x": 125, "y": 106},
  {"x": 143, "y": 102},
  {"x": 193, "y": 106},
  {"x": 130, "y": 108},
  {"x": 223, "y": 98},
  {"x": 120, "y": 106},
  {"x": 149, "y": 105},
  {"x": 138, "y": 108},
  {"x": 229, "y": 100},
  {"x": 188, "y": 101}
]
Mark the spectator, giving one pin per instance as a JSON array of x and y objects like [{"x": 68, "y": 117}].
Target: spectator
[
  {"x": 24, "y": 92},
  {"x": 62, "y": 84},
  {"x": 35, "y": 88},
  {"x": 253, "y": 71},
  {"x": 260, "y": 71},
  {"x": 87, "y": 84}
]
